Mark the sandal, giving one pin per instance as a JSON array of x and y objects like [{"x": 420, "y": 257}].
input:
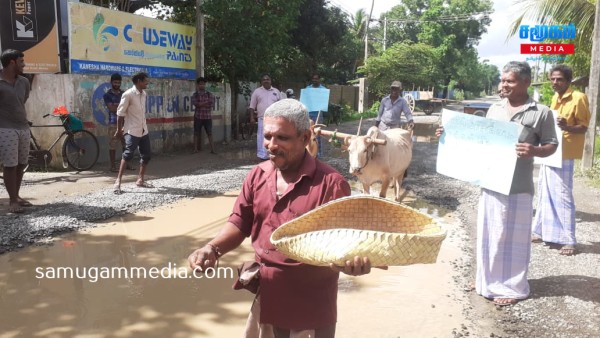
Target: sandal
[
  {"x": 144, "y": 184},
  {"x": 567, "y": 250},
  {"x": 536, "y": 239},
  {"x": 506, "y": 301}
]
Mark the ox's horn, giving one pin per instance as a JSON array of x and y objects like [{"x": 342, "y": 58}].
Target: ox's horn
[{"x": 359, "y": 125}]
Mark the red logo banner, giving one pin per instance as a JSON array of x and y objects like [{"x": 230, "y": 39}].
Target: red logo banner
[{"x": 548, "y": 48}]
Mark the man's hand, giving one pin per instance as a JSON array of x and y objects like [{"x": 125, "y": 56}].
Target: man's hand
[
  {"x": 525, "y": 150},
  {"x": 411, "y": 125},
  {"x": 253, "y": 116},
  {"x": 439, "y": 131},
  {"x": 203, "y": 258},
  {"x": 118, "y": 133},
  {"x": 377, "y": 123},
  {"x": 356, "y": 267},
  {"x": 562, "y": 123}
]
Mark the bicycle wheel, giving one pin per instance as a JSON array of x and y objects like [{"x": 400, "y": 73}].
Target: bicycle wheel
[{"x": 81, "y": 150}]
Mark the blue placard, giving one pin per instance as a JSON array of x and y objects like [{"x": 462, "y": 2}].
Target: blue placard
[{"x": 315, "y": 99}]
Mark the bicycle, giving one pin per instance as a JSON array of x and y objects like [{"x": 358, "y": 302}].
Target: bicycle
[{"x": 80, "y": 149}]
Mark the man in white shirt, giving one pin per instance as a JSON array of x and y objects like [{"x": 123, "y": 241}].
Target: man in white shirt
[
  {"x": 131, "y": 124},
  {"x": 261, "y": 99}
]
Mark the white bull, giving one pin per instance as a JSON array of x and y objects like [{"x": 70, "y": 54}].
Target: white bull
[{"x": 381, "y": 163}]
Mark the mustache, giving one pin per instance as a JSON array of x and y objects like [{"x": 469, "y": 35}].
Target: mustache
[{"x": 277, "y": 153}]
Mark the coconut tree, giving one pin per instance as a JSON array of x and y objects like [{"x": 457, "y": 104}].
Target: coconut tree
[{"x": 359, "y": 25}]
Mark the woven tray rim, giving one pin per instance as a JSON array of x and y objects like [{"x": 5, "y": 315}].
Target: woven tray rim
[{"x": 287, "y": 242}]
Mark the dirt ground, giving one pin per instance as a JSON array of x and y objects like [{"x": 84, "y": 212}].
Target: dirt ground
[{"x": 416, "y": 301}]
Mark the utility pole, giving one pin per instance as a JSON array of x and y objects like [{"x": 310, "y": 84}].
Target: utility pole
[
  {"x": 594, "y": 95},
  {"x": 384, "y": 31},
  {"x": 199, "y": 38},
  {"x": 367, "y": 32}
]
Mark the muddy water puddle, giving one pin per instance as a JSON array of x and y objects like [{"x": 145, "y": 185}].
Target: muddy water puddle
[{"x": 126, "y": 278}]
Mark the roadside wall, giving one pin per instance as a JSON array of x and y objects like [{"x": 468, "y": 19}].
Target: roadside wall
[
  {"x": 169, "y": 111},
  {"x": 339, "y": 94}
]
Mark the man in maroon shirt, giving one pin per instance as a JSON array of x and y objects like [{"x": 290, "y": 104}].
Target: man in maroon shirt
[{"x": 295, "y": 298}]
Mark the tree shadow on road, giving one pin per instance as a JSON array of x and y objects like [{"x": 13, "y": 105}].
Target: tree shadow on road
[
  {"x": 587, "y": 217},
  {"x": 582, "y": 287}
]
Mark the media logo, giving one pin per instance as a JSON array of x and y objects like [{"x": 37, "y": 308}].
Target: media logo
[{"x": 541, "y": 33}]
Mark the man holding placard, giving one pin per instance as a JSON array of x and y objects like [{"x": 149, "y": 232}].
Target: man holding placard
[
  {"x": 316, "y": 99},
  {"x": 315, "y": 82},
  {"x": 555, "y": 213},
  {"x": 503, "y": 246},
  {"x": 504, "y": 221}
]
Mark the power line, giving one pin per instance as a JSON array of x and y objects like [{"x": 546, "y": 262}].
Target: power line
[
  {"x": 453, "y": 18},
  {"x": 340, "y": 6}
]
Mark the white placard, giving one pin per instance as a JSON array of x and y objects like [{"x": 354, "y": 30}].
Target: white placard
[
  {"x": 554, "y": 160},
  {"x": 478, "y": 150}
]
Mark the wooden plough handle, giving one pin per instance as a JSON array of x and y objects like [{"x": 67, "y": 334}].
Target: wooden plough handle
[{"x": 343, "y": 136}]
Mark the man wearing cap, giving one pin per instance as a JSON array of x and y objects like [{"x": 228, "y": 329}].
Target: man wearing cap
[{"x": 391, "y": 108}]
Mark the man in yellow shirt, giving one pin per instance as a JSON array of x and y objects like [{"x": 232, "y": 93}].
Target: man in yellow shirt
[{"x": 554, "y": 220}]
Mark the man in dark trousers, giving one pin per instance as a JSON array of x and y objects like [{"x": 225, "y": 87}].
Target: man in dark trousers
[
  {"x": 203, "y": 102},
  {"x": 111, "y": 99},
  {"x": 131, "y": 124}
]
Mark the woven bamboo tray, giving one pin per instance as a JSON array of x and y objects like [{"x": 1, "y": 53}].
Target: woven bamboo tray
[{"x": 387, "y": 232}]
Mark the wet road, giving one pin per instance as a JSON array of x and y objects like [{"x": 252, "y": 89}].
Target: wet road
[{"x": 411, "y": 301}]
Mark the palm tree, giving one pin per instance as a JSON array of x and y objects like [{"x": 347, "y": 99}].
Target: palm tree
[
  {"x": 359, "y": 20},
  {"x": 359, "y": 25}
]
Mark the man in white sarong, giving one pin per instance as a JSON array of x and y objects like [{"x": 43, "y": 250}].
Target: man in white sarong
[{"x": 504, "y": 221}]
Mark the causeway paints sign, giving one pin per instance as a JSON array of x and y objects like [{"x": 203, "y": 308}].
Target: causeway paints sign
[
  {"x": 542, "y": 35},
  {"x": 104, "y": 41}
]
